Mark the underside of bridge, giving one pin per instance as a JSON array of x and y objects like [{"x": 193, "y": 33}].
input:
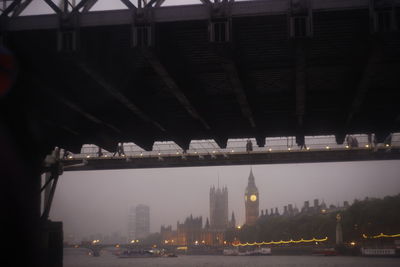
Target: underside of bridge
[
  {"x": 225, "y": 76},
  {"x": 216, "y": 70}
]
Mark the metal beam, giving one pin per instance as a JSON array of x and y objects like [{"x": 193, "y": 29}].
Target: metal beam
[
  {"x": 222, "y": 141},
  {"x": 149, "y": 4},
  {"x": 105, "y": 142},
  {"x": 20, "y": 8},
  {"x": 184, "y": 143},
  {"x": 300, "y": 80},
  {"x": 206, "y": 2},
  {"x": 118, "y": 95},
  {"x": 54, "y": 6},
  {"x": 260, "y": 140},
  {"x": 368, "y": 75},
  {"x": 80, "y": 5},
  {"x": 88, "y": 6},
  {"x": 128, "y": 4},
  {"x": 159, "y": 3},
  {"x": 87, "y": 115},
  {"x": 10, "y": 8},
  {"x": 172, "y": 87},
  {"x": 40, "y": 83},
  {"x": 50, "y": 197},
  {"x": 146, "y": 144},
  {"x": 237, "y": 87},
  {"x": 300, "y": 87}
]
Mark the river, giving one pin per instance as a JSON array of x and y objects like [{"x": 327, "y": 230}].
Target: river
[{"x": 78, "y": 258}]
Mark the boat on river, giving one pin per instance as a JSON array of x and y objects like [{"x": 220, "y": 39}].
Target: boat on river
[
  {"x": 378, "y": 252},
  {"x": 256, "y": 252},
  {"x": 138, "y": 254}
]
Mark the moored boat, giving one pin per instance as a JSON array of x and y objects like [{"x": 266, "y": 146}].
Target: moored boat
[
  {"x": 256, "y": 252},
  {"x": 230, "y": 252},
  {"x": 378, "y": 252},
  {"x": 138, "y": 254}
]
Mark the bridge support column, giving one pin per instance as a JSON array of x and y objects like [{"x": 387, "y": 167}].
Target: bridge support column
[
  {"x": 51, "y": 233},
  {"x": 51, "y": 245}
]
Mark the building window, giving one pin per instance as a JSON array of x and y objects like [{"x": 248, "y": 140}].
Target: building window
[
  {"x": 219, "y": 31},
  {"x": 142, "y": 36}
]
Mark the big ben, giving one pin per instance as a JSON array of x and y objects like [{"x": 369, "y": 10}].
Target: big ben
[{"x": 251, "y": 201}]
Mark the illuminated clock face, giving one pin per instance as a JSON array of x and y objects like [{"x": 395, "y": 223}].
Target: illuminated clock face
[{"x": 253, "y": 198}]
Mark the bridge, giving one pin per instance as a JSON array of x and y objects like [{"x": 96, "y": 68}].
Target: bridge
[
  {"x": 207, "y": 153},
  {"x": 216, "y": 70},
  {"x": 208, "y": 71}
]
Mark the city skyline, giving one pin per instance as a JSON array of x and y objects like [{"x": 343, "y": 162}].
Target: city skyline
[{"x": 187, "y": 191}]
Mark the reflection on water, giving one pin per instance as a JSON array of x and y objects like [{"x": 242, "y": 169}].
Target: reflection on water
[{"x": 79, "y": 258}]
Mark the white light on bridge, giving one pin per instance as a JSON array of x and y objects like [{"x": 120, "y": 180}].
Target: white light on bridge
[
  {"x": 327, "y": 147},
  {"x": 270, "y": 149}
]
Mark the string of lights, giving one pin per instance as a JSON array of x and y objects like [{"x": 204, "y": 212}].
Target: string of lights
[
  {"x": 281, "y": 242},
  {"x": 381, "y": 235}
]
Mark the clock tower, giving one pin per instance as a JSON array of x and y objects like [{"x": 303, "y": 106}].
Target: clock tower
[{"x": 251, "y": 201}]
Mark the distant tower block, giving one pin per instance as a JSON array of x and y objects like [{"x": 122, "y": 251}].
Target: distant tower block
[
  {"x": 142, "y": 221},
  {"x": 339, "y": 232},
  {"x": 219, "y": 208},
  {"x": 251, "y": 201}
]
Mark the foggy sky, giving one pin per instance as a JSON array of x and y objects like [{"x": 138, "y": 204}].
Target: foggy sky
[{"x": 93, "y": 202}]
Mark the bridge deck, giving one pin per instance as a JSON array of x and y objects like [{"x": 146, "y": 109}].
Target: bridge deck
[{"x": 234, "y": 158}]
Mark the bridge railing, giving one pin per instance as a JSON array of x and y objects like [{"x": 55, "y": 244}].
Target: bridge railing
[{"x": 234, "y": 146}]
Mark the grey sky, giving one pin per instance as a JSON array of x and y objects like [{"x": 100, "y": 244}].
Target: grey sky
[{"x": 98, "y": 201}]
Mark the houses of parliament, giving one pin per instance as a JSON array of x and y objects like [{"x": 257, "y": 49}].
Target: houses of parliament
[{"x": 192, "y": 232}]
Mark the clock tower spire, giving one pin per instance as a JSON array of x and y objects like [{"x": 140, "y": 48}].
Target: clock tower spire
[{"x": 251, "y": 201}]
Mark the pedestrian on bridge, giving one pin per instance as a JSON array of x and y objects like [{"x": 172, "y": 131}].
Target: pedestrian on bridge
[
  {"x": 352, "y": 141},
  {"x": 249, "y": 146}
]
